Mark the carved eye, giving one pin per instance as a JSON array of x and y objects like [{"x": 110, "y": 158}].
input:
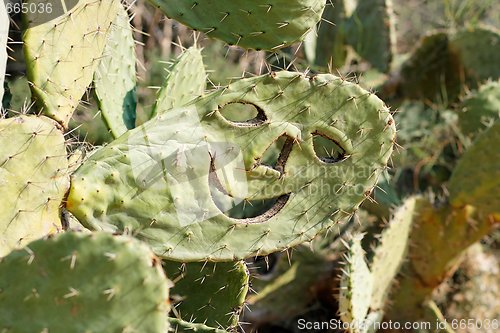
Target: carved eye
[
  {"x": 243, "y": 114},
  {"x": 327, "y": 149}
]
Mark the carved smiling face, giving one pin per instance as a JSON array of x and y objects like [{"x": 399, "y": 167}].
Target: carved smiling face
[{"x": 313, "y": 147}]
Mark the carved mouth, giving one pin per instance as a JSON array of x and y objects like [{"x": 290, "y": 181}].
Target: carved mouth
[{"x": 252, "y": 211}]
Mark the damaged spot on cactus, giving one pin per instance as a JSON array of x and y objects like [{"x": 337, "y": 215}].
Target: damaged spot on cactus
[
  {"x": 327, "y": 149},
  {"x": 243, "y": 114}
]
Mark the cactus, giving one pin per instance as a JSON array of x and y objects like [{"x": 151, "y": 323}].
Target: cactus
[
  {"x": 364, "y": 291},
  {"x": 356, "y": 285},
  {"x": 34, "y": 179},
  {"x": 115, "y": 78},
  {"x": 431, "y": 258},
  {"x": 480, "y": 109},
  {"x": 390, "y": 253},
  {"x": 186, "y": 80},
  {"x": 78, "y": 282},
  {"x": 477, "y": 175},
  {"x": 479, "y": 50},
  {"x": 63, "y": 54},
  {"x": 356, "y": 128},
  {"x": 4, "y": 36},
  {"x": 208, "y": 293},
  {"x": 371, "y": 32},
  {"x": 260, "y": 24},
  {"x": 181, "y": 326},
  {"x": 367, "y": 26},
  {"x": 433, "y": 71},
  {"x": 326, "y": 44}
]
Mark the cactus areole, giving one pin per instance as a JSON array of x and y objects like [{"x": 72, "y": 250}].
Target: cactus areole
[{"x": 313, "y": 147}]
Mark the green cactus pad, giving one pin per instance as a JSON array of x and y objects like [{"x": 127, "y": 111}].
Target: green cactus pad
[
  {"x": 63, "y": 54},
  {"x": 326, "y": 44},
  {"x": 433, "y": 71},
  {"x": 171, "y": 180},
  {"x": 181, "y": 326},
  {"x": 80, "y": 282},
  {"x": 258, "y": 24},
  {"x": 371, "y": 32},
  {"x": 208, "y": 293},
  {"x": 115, "y": 78},
  {"x": 479, "y": 51},
  {"x": 476, "y": 178},
  {"x": 4, "y": 35},
  {"x": 390, "y": 253},
  {"x": 33, "y": 179},
  {"x": 186, "y": 80},
  {"x": 480, "y": 109},
  {"x": 356, "y": 285}
]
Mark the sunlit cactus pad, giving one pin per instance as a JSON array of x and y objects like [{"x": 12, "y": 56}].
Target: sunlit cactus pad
[
  {"x": 257, "y": 24},
  {"x": 174, "y": 180},
  {"x": 33, "y": 179},
  {"x": 63, "y": 54},
  {"x": 78, "y": 282}
]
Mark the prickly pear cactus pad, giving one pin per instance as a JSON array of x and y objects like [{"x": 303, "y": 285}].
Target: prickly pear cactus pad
[
  {"x": 356, "y": 285},
  {"x": 257, "y": 24},
  {"x": 172, "y": 180},
  {"x": 115, "y": 78},
  {"x": 433, "y": 71},
  {"x": 479, "y": 51},
  {"x": 371, "y": 32},
  {"x": 186, "y": 80},
  {"x": 4, "y": 35},
  {"x": 480, "y": 109},
  {"x": 325, "y": 44},
  {"x": 63, "y": 54},
  {"x": 208, "y": 293},
  {"x": 390, "y": 253},
  {"x": 78, "y": 282},
  {"x": 475, "y": 179},
  {"x": 33, "y": 179}
]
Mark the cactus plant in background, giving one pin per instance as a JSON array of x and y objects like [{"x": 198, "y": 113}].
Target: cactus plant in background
[
  {"x": 364, "y": 291},
  {"x": 326, "y": 44},
  {"x": 470, "y": 183},
  {"x": 479, "y": 109},
  {"x": 367, "y": 27},
  {"x": 260, "y": 24},
  {"x": 371, "y": 32},
  {"x": 356, "y": 285},
  {"x": 34, "y": 179},
  {"x": 63, "y": 54},
  {"x": 83, "y": 282},
  {"x": 209, "y": 293},
  {"x": 185, "y": 81},
  {"x": 341, "y": 149},
  {"x": 115, "y": 78},
  {"x": 4, "y": 36}
]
